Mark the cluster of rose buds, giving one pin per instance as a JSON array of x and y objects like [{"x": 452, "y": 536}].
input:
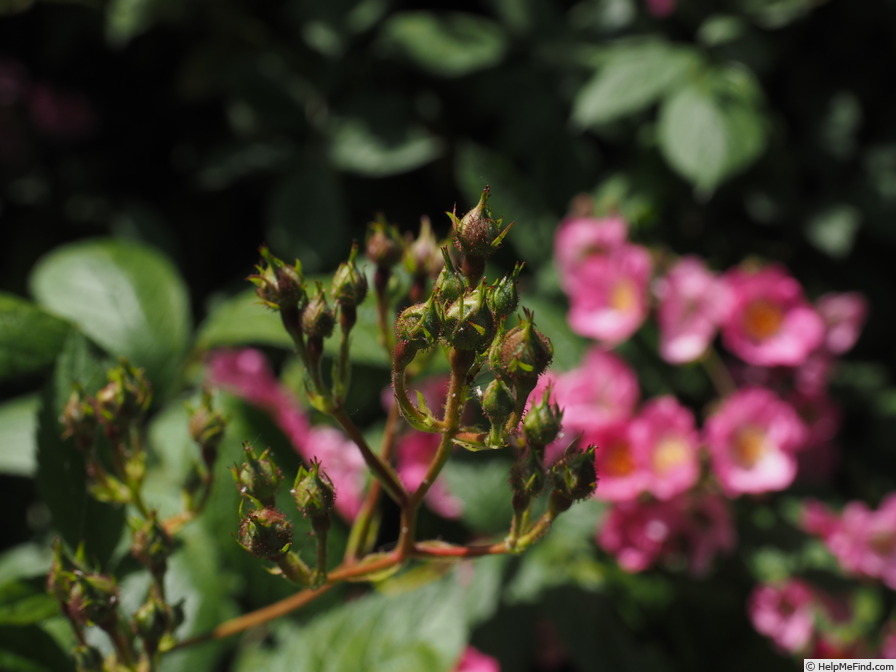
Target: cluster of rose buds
[{"x": 114, "y": 417}]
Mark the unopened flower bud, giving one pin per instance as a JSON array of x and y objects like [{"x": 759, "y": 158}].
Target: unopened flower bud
[
  {"x": 385, "y": 247},
  {"x": 207, "y": 428},
  {"x": 79, "y": 418},
  {"x": 152, "y": 545},
  {"x": 317, "y": 318},
  {"x": 450, "y": 284},
  {"x": 93, "y": 599},
  {"x": 504, "y": 297},
  {"x": 259, "y": 477},
  {"x": 349, "y": 283},
  {"x": 152, "y": 621},
  {"x": 422, "y": 257},
  {"x": 527, "y": 478},
  {"x": 522, "y": 354},
  {"x": 125, "y": 398},
  {"x": 476, "y": 233},
  {"x": 573, "y": 478},
  {"x": 266, "y": 533},
  {"x": 498, "y": 402},
  {"x": 279, "y": 286},
  {"x": 543, "y": 422},
  {"x": 88, "y": 659},
  {"x": 314, "y": 495},
  {"x": 420, "y": 324},
  {"x": 469, "y": 322}
]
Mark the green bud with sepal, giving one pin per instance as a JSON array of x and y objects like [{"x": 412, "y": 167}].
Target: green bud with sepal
[
  {"x": 259, "y": 477},
  {"x": 314, "y": 495},
  {"x": 279, "y": 285},
  {"x": 124, "y": 399},
  {"x": 151, "y": 544},
  {"x": 79, "y": 419},
  {"x": 450, "y": 284},
  {"x": 266, "y": 533},
  {"x": 522, "y": 354},
  {"x": 349, "y": 287},
  {"x": 384, "y": 246},
  {"x": 503, "y": 296},
  {"x": 318, "y": 319},
  {"x": 469, "y": 322},
  {"x": 420, "y": 325},
  {"x": 477, "y": 233},
  {"x": 573, "y": 478},
  {"x": 543, "y": 422},
  {"x": 422, "y": 257}
]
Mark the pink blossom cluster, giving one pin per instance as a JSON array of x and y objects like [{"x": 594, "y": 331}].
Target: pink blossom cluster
[
  {"x": 802, "y": 619},
  {"x": 863, "y": 540},
  {"x": 666, "y": 475}
]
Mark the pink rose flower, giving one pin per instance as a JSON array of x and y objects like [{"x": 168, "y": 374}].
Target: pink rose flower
[
  {"x": 784, "y": 613},
  {"x": 581, "y": 238},
  {"x": 664, "y": 439},
  {"x": 752, "y": 438},
  {"x": 608, "y": 294},
  {"x": 844, "y": 316},
  {"x": 474, "y": 660},
  {"x": 640, "y": 533},
  {"x": 622, "y": 473},
  {"x": 692, "y": 303},
  {"x": 862, "y": 540},
  {"x": 769, "y": 323},
  {"x": 661, "y": 8}
]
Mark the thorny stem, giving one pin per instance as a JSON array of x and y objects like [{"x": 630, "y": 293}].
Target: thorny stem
[{"x": 380, "y": 282}]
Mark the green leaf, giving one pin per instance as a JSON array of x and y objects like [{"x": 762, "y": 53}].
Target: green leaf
[
  {"x": 713, "y": 128},
  {"x": 18, "y": 435},
  {"x": 24, "y": 561},
  {"x": 634, "y": 76},
  {"x": 23, "y": 602},
  {"x": 242, "y": 320},
  {"x": 596, "y": 637},
  {"x": 29, "y": 337},
  {"x": 126, "y": 297},
  {"x": 357, "y": 147},
  {"x": 446, "y": 44},
  {"x": 30, "y": 649},
  {"x": 833, "y": 230},
  {"x": 61, "y": 479},
  {"x": 424, "y": 629},
  {"x": 481, "y": 484}
]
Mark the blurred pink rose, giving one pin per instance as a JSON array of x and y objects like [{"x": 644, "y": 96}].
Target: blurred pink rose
[
  {"x": 769, "y": 323},
  {"x": 246, "y": 373},
  {"x": 664, "y": 439},
  {"x": 844, "y": 316},
  {"x": 692, "y": 303},
  {"x": 581, "y": 238},
  {"x": 474, "y": 660},
  {"x": 622, "y": 473},
  {"x": 608, "y": 294},
  {"x": 661, "y": 8},
  {"x": 640, "y": 533},
  {"x": 752, "y": 438},
  {"x": 862, "y": 540},
  {"x": 601, "y": 390},
  {"x": 414, "y": 454},
  {"x": 785, "y": 613},
  {"x": 888, "y": 641}
]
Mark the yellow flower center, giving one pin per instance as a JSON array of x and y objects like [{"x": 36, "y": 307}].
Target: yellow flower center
[
  {"x": 749, "y": 446},
  {"x": 668, "y": 454},
  {"x": 624, "y": 296},
  {"x": 619, "y": 460},
  {"x": 762, "y": 319}
]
